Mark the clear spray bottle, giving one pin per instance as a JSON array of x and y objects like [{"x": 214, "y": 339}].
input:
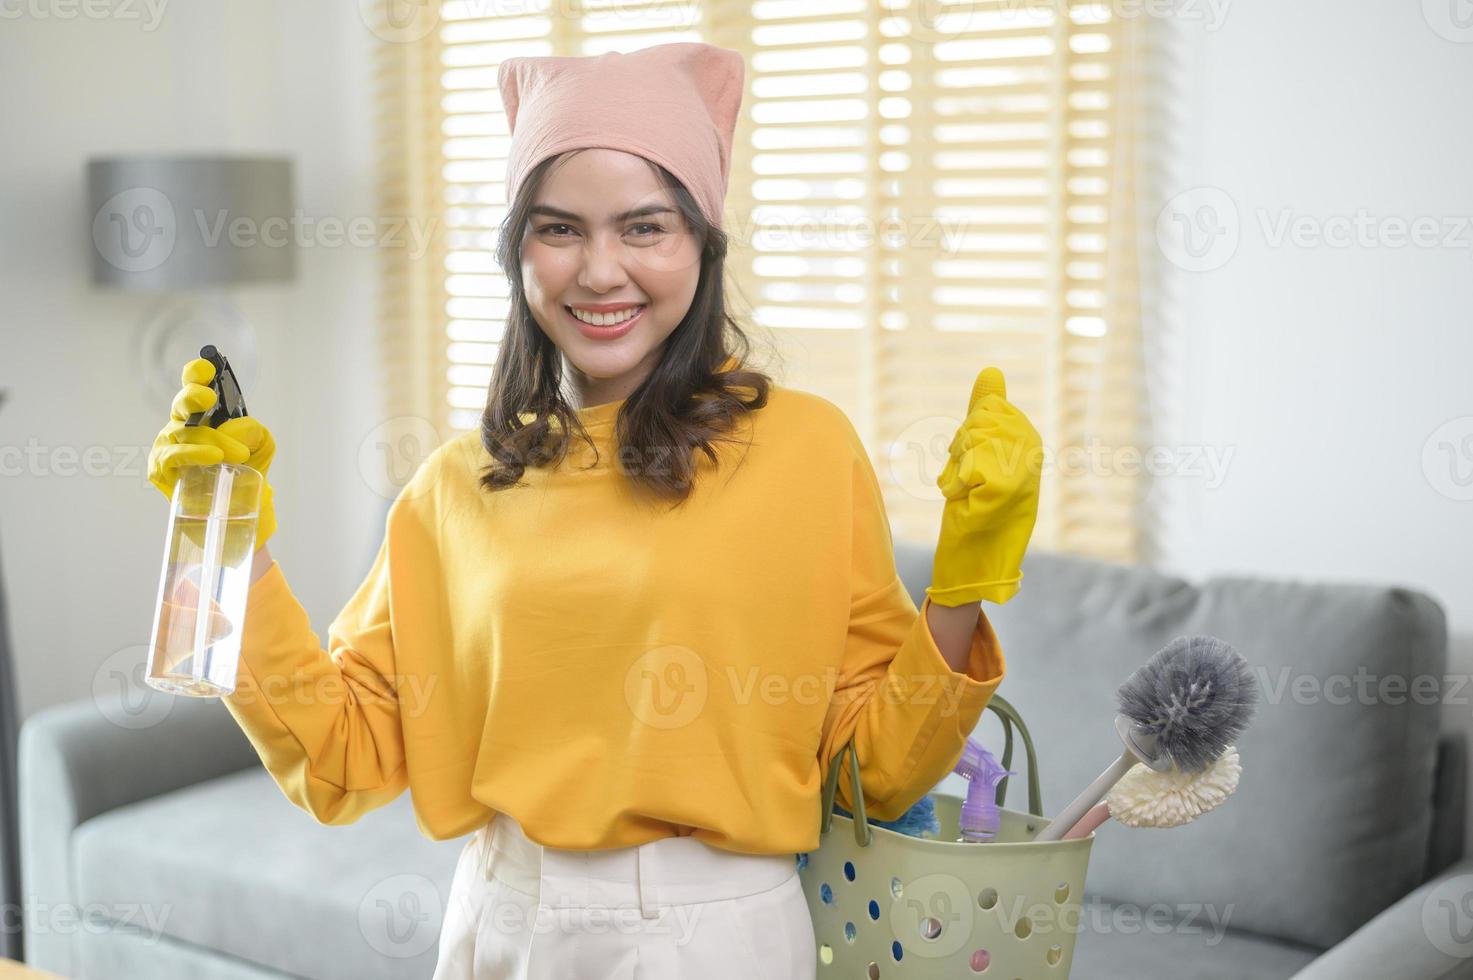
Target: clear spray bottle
[{"x": 207, "y": 562}]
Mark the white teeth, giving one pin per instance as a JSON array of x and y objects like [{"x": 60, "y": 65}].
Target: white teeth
[{"x": 606, "y": 319}]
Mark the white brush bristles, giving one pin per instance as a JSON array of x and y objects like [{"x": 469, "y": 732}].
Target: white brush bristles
[{"x": 1146, "y": 798}]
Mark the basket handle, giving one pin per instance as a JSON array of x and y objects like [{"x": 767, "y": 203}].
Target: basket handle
[
  {"x": 862, "y": 833},
  {"x": 1009, "y": 716}
]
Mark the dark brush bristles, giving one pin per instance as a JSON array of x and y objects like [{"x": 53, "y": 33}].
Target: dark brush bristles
[{"x": 1196, "y": 694}]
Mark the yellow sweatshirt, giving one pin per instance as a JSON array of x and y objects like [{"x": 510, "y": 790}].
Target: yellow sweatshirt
[{"x": 609, "y": 673}]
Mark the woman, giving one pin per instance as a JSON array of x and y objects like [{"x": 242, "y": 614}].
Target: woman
[{"x": 617, "y": 634}]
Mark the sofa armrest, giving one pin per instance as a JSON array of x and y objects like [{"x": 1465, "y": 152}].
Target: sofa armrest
[
  {"x": 1428, "y": 935},
  {"x": 81, "y": 759},
  {"x": 1449, "y": 803}
]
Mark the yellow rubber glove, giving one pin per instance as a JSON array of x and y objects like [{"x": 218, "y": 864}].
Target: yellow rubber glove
[
  {"x": 991, "y": 482},
  {"x": 243, "y": 440}
]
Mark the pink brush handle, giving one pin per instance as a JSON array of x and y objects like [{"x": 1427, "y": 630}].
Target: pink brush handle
[{"x": 1087, "y": 824}]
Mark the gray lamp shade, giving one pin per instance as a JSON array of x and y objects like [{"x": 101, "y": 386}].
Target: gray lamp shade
[{"x": 174, "y": 223}]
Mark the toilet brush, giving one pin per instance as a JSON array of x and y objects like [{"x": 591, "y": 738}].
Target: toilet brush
[
  {"x": 1147, "y": 798},
  {"x": 1183, "y": 708}
]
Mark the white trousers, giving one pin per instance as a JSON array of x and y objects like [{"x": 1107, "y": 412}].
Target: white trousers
[{"x": 672, "y": 909}]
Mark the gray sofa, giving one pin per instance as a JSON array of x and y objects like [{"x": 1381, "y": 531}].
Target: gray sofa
[{"x": 156, "y": 846}]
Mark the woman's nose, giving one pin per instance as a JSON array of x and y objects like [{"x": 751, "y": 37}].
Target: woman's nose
[{"x": 603, "y": 267}]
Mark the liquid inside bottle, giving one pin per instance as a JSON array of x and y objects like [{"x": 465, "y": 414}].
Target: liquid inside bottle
[{"x": 205, "y": 580}]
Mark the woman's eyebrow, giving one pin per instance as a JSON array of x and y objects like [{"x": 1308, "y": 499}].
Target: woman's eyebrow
[{"x": 649, "y": 209}]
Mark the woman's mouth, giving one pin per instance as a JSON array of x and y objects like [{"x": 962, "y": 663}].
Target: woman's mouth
[{"x": 606, "y": 333}]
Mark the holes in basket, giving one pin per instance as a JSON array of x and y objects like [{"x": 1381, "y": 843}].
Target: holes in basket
[
  {"x": 873, "y": 970},
  {"x": 1054, "y": 955},
  {"x": 1061, "y": 894},
  {"x": 930, "y": 927},
  {"x": 874, "y": 909},
  {"x": 896, "y": 951},
  {"x": 826, "y": 954},
  {"x": 850, "y": 932},
  {"x": 849, "y": 870},
  {"x": 896, "y": 888},
  {"x": 1023, "y": 928},
  {"x": 826, "y": 893},
  {"x": 981, "y": 960},
  {"x": 987, "y": 898}
]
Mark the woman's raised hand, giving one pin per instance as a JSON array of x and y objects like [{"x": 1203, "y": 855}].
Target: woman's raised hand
[
  {"x": 243, "y": 440},
  {"x": 991, "y": 483}
]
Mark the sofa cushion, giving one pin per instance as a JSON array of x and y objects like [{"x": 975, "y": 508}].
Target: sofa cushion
[
  {"x": 1130, "y": 942},
  {"x": 232, "y": 865},
  {"x": 1331, "y": 820},
  {"x": 117, "y": 953}
]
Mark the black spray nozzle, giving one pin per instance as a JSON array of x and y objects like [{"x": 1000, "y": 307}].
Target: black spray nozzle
[{"x": 229, "y": 402}]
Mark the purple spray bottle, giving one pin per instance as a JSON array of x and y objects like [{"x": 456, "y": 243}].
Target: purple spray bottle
[{"x": 979, "y": 817}]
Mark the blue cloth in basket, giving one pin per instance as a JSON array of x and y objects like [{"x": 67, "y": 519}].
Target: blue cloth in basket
[{"x": 914, "y": 822}]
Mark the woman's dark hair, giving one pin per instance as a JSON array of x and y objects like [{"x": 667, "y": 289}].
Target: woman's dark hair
[{"x": 687, "y": 403}]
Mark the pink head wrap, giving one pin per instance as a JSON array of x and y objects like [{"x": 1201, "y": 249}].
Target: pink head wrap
[{"x": 674, "y": 104}]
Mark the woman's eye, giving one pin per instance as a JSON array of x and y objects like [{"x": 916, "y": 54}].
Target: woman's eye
[{"x": 654, "y": 229}]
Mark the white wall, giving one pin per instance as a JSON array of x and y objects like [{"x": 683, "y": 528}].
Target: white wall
[
  {"x": 1325, "y": 370},
  {"x": 82, "y": 552}
]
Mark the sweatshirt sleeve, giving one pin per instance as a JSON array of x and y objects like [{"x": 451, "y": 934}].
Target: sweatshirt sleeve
[
  {"x": 326, "y": 723},
  {"x": 908, "y": 712}
]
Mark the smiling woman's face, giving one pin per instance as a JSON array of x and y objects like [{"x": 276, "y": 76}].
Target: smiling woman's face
[{"x": 583, "y": 248}]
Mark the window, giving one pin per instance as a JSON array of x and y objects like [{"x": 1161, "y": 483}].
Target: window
[{"x": 918, "y": 190}]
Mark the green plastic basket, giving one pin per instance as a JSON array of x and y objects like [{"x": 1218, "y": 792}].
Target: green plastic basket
[{"x": 889, "y": 905}]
